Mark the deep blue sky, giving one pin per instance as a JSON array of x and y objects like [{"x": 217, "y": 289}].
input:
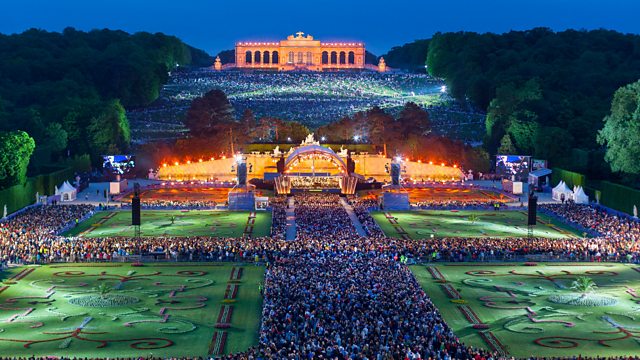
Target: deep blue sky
[{"x": 214, "y": 25}]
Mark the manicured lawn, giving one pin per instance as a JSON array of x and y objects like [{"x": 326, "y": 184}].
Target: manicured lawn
[
  {"x": 422, "y": 224},
  {"x": 164, "y": 310},
  {"x": 185, "y": 223},
  {"x": 517, "y": 307}
]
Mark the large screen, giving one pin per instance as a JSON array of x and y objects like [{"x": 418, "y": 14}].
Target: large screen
[
  {"x": 517, "y": 166},
  {"x": 118, "y": 164}
]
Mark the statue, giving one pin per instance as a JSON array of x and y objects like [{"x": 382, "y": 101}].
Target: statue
[
  {"x": 217, "y": 65},
  {"x": 4, "y": 216},
  {"x": 276, "y": 151},
  {"x": 310, "y": 140},
  {"x": 37, "y": 196},
  {"x": 635, "y": 211},
  {"x": 343, "y": 152},
  {"x": 382, "y": 66}
]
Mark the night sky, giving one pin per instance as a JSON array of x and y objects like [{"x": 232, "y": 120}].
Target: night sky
[{"x": 215, "y": 25}]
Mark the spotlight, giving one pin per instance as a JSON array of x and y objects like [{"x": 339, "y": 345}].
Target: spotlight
[{"x": 175, "y": 163}]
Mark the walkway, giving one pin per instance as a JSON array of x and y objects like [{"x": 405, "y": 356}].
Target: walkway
[
  {"x": 354, "y": 218},
  {"x": 291, "y": 220}
]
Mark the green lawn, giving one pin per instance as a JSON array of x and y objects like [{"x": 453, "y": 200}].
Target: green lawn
[
  {"x": 422, "y": 224},
  {"x": 164, "y": 310},
  {"x": 186, "y": 223},
  {"x": 515, "y": 305}
]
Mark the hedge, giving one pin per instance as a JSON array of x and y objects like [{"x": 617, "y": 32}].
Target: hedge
[
  {"x": 18, "y": 196},
  {"x": 619, "y": 197},
  {"x": 569, "y": 177}
]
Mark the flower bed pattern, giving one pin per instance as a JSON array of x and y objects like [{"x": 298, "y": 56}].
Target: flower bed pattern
[
  {"x": 451, "y": 291},
  {"x": 435, "y": 273},
  {"x": 224, "y": 317},
  {"x": 218, "y": 342}
]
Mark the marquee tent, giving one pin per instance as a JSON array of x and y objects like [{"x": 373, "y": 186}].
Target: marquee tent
[
  {"x": 66, "y": 192},
  {"x": 579, "y": 196},
  {"x": 559, "y": 190}
]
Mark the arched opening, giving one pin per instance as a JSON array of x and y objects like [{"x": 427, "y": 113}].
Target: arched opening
[
  {"x": 343, "y": 58},
  {"x": 300, "y": 57},
  {"x": 352, "y": 58},
  {"x": 291, "y": 58},
  {"x": 325, "y": 58},
  {"x": 266, "y": 58},
  {"x": 248, "y": 57},
  {"x": 309, "y": 58},
  {"x": 256, "y": 57},
  {"x": 334, "y": 57},
  {"x": 275, "y": 58}
]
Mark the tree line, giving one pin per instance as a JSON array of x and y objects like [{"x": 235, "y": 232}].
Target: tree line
[
  {"x": 67, "y": 92},
  {"x": 546, "y": 93}
]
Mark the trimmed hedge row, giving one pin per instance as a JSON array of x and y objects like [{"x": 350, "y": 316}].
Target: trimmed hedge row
[
  {"x": 612, "y": 195},
  {"x": 18, "y": 196},
  {"x": 569, "y": 177}
]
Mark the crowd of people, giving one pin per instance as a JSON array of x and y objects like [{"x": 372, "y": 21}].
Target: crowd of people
[
  {"x": 322, "y": 216},
  {"x": 313, "y": 99},
  {"x": 329, "y": 306},
  {"x": 159, "y": 204}
]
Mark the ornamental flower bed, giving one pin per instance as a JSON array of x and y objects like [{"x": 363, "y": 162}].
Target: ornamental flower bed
[
  {"x": 224, "y": 317},
  {"x": 106, "y": 301},
  {"x": 218, "y": 342},
  {"x": 493, "y": 342},
  {"x": 530, "y": 264},
  {"x": 231, "y": 292},
  {"x": 236, "y": 274},
  {"x": 469, "y": 314},
  {"x": 137, "y": 264},
  {"x": 451, "y": 291},
  {"x": 435, "y": 273}
]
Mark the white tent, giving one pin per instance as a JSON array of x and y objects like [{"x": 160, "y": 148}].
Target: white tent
[
  {"x": 66, "y": 192},
  {"x": 579, "y": 196},
  {"x": 559, "y": 190}
]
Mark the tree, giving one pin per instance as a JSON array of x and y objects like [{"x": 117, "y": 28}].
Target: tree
[
  {"x": 15, "y": 151},
  {"x": 103, "y": 289},
  {"x": 506, "y": 145},
  {"x": 109, "y": 132},
  {"x": 584, "y": 285},
  {"x": 209, "y": 113},
  {"x": 621, "y": 132}
]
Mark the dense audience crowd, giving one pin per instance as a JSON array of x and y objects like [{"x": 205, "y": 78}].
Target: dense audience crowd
[
  {"x": 158, "y": 204},
  {"x": 322, "y": 216},
  {"x": 337, "y": 306},
  {"x": 314, "y": 99}
]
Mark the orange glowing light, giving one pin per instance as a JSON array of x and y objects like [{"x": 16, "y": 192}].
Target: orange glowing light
[
  {"x": 430, "y": 162},
  {"x": 442, "y": 164},
  {"x": 164, "y": 165},
  {"x": 200, "y": 160},
  {"x": 455, "y": 166},
  {"x": 175, "y": 163},
  {"x": 188, "y": 161}
]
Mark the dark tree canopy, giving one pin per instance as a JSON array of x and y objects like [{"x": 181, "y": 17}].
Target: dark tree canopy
[
  {"x": 538, "y": 82},
  {"x": 60, "y": 87},
  {"x": 621, "y": 132},
  {"x": 410, "y": 56},
  {"x": 16, "y": 148}
]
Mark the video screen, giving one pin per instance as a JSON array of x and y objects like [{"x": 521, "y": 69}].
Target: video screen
[
  {"x": 517, "y": 166},
  {"x": 537, "y": 164},
  {"x": 118, "y": 164}
]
